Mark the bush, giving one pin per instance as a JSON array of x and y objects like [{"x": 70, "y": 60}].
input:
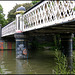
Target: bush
[{"x": 61, "y": 64}]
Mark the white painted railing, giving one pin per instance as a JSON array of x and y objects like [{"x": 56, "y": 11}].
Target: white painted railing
[
  {"x": 49, "y": 13},
  {"x": 9, "y": 29}
]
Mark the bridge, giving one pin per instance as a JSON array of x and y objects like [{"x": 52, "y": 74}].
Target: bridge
[
  {"x": 46, "y": 17},
  {"x": 45, "y": 14}
]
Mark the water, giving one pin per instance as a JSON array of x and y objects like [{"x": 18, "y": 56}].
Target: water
[{"x": 39, "y": 63}]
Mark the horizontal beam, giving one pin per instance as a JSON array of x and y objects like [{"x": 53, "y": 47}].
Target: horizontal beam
[
  {"x": 64, "y": 28},
  {"x": 49, "y": 32}
]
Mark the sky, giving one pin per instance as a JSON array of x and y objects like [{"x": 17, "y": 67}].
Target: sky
[{"x": 8, "y": 5}]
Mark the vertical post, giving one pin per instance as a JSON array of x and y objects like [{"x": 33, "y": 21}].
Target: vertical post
[
  {"x": 66, "y": 42},
  {"x": 21, "y": 48}
]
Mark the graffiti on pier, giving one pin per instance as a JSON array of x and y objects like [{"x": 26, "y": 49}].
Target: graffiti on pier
[
  {"x": 1, "y": 45},
  {"x": 20, "y": 51}
]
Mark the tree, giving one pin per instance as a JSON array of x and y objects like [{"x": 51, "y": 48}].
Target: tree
[
  {"x": 36, "y": 1},
  {"x": 3, "y": 21},
  {"x": 11, "y": 15}
]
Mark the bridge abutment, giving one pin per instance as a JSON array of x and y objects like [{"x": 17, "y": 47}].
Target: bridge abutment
[
  {"x": 21, "y": 46},
  {"x": 66, "y": 43}
]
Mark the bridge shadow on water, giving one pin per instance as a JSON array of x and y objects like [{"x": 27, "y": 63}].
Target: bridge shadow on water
[{"x": 40, "y": 62}]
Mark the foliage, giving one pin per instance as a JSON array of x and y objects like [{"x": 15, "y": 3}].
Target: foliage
[
  {"x": 35, "y": 44},
  {"x": 11, "y": 15},
  {"x": 57, "y": 41},
  {"x": 34, "y": 2},
  {"x": 1, "y": 9},
  {"x": 1, "y": 72},
  {"x": 74, "y": 8},
  {"x": 74, "y": 43},
  {"x": 61, "y": 64},
  {"x": 73, "y": 65},
  {"x": 3, "y": 21}
]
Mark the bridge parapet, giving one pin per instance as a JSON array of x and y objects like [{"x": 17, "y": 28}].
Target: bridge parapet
[
  {"x": 9, "y": 29},
  {"x": 48, "y": 13}
]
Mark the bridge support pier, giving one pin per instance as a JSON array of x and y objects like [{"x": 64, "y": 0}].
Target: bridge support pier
[
  {"x": 21, "y": 50},
  {"x": 66, "y": 43}
]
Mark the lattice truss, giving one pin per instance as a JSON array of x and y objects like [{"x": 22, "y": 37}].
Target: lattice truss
[
  {"x": 50, "y": 12},
  {"x": 9, "y": 29}
]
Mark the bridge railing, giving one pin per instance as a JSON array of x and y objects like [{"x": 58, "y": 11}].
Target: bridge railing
[
  {"x": 9, "y": 29},
  {"x": 48, "y": 13}
]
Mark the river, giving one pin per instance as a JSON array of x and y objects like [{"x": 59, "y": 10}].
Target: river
[{"x": 39, "y": 63}]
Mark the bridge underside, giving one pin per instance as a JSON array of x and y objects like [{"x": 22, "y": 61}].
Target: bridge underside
[
  {"x": 67, "y": 27},
  {"x": 10, "y": 38}
]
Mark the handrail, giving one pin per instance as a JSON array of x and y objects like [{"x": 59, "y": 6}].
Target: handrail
[
  {"x": 9, "y": 29},
  {"x": 48, "y": 13}
]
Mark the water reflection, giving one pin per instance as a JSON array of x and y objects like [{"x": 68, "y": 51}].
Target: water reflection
[
  {"x": 19, "y": 68},
  {"x": 39, "y": 64},
  {"x": 1, "y": 55},
  {"x": 23, "y": 67}
]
